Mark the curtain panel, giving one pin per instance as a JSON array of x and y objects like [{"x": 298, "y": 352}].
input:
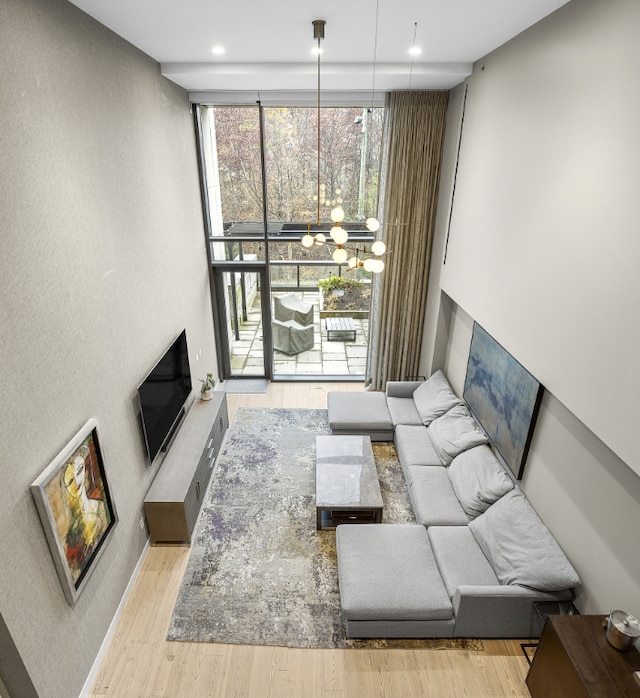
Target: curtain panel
[{"x": 410, "y": 175}]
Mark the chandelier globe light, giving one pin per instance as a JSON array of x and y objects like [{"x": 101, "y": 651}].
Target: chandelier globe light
[
  {"x": 339, "y": 236},
  {"x": 378, "y": 248},
  {"x": 337, "y": 214}
]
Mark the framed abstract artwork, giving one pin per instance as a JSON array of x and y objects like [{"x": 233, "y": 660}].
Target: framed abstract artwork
[
  {"x": 503, "y": 396},
  {"x": 76, "y": 509}
]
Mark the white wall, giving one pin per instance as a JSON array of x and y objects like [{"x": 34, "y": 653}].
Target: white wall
[
  {"x": 544, "y": 246},
  {"x": 438, "y": 308},
  {"x": 102, "y": 263},
  {"x": 538, "y": 229},
  {"x": 585, "y": 494}
]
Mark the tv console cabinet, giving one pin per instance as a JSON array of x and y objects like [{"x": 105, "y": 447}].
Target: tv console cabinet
[{"x": 173, "y": 502}]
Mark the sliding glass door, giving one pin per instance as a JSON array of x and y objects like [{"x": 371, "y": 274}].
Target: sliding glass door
[
  {"x": 240, "y": 319},
  {"x": 260, "y": 183}
]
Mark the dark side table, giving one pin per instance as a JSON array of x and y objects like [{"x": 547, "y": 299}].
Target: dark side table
[{"x": 575, "y": 660}]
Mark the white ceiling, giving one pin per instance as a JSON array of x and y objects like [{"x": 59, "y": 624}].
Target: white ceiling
[{"x": 268, "y": 44}]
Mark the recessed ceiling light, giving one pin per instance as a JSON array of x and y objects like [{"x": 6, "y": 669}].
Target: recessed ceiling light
[
  {"x": 217, "y": 50},
  {"x": 315, "y": 51},
  {"x": 415, "y": 51}
]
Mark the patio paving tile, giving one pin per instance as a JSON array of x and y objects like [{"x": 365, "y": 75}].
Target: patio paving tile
[{"x": 326, "y": 358}]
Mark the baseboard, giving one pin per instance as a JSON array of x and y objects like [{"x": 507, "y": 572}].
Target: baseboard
[{"x": 88, "y": 684}]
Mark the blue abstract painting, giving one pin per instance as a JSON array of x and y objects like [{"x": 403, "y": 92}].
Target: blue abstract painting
[{"x": 503, "y": 396}]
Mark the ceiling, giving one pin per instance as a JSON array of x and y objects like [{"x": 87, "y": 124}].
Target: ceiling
[{"x": 268, "y": 44}]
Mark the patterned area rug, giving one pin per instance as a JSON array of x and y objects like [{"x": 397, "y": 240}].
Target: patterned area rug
[{"x": 259, "y": 573}]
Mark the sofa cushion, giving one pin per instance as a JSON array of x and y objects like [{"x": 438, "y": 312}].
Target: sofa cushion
[
  {"x": 414, "y": 446},
  {"x": 520, "y": 547},
  {"x": 388, "y": 572},
  {"x": 432, "y": 496},
  {"x": 460, "y": 559},
  {"x": 360, "y": 413},
  {"x": 434, "y": 397},
  {"x": 478, "y": 479},
  {"x": 455, "y": 432},
  {"x": 403, "y": 411}
]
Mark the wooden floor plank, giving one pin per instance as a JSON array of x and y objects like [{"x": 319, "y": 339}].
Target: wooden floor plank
[{"x": 140, "y": 663}]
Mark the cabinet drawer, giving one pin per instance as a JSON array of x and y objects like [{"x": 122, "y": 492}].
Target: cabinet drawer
[
  {"x": 192, "y": 505},
  {"x": 219, "y": 428},
  {"x": 209, "y": 454},
  {"x": 195, "y": 496}
]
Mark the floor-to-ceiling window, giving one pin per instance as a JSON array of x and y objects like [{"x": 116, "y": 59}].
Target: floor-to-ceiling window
[{"x": 261, "y": 183}]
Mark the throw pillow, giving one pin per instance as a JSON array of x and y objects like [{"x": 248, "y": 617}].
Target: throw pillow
[
  {"x": 455, "y": 432},
  {"x": 478, "y": 479},
  {"x": 434, "y": 397},
  {"x": 520, "y": 547}
]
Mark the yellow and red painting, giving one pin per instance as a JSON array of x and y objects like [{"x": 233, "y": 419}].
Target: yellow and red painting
[{"x": 75, "y": 506}]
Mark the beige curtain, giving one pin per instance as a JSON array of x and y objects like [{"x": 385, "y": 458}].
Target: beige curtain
[{"x": 414, "y": 134}]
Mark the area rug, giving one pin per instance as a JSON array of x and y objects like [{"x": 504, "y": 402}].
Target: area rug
[
  {"x": 245, "y": 385},
  {"x": 259, "y": 573}
]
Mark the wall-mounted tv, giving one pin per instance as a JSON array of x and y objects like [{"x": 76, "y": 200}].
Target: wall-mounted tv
[{"x": 162, "y": 396}]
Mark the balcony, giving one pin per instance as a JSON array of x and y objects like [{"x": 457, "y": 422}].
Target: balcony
[
  {"x": 329, "y": 358},
  {"x": 326, "y": 359}
]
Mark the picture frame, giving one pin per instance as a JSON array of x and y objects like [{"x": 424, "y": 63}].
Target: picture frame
[
  {"x": 76, "y": 509},
  {"x": 503, "y": 397}
]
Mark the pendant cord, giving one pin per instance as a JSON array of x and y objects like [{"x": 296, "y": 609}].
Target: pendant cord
[
  {"x": 375, "y": 55},
  {"x": 318, "y": 189},
  {"x": 413, "y": 45}
]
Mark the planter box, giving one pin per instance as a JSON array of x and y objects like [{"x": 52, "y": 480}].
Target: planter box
[{"x": 356, "y": 314}]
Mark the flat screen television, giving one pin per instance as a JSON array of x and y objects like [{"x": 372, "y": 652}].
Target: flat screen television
[{"x": 162, "y": 396}]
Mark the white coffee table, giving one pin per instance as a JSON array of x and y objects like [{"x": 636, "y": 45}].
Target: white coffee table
[{"x": 347, "y": 488}]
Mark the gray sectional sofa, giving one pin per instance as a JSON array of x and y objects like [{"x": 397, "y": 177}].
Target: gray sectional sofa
[{"x": 479, "y": 556}]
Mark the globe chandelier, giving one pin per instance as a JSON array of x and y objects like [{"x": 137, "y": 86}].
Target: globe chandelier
[{"x": 339, "y": 236}]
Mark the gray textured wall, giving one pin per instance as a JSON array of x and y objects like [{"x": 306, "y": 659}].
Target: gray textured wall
[{"x": 102, "y": 263}]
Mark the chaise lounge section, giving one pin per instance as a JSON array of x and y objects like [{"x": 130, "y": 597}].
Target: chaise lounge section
[
  {"x": 360, "y": 413},
  {"x": 403, "y": 595}
]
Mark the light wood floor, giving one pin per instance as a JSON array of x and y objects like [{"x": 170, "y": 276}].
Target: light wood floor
[{"x": 140, "y": 662}]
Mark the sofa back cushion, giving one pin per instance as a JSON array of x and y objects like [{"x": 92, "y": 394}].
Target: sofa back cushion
[
  {"x": 455, "y": 432},
  {"x": 434, "y": 397},
  {"x": 478, "y": 479},
  {"x": 520, "y": 547}
]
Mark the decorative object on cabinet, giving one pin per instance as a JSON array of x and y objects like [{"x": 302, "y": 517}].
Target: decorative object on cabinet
[
  {"x": 208, "y": 384},
  {"x": 623, "y": 630},
  {"x": 76, "y": 509}
]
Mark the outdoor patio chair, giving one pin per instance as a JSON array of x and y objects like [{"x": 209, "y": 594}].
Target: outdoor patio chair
[
  {"x": 292, "y": 307},
  {"x": 290, "y": 337}
]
